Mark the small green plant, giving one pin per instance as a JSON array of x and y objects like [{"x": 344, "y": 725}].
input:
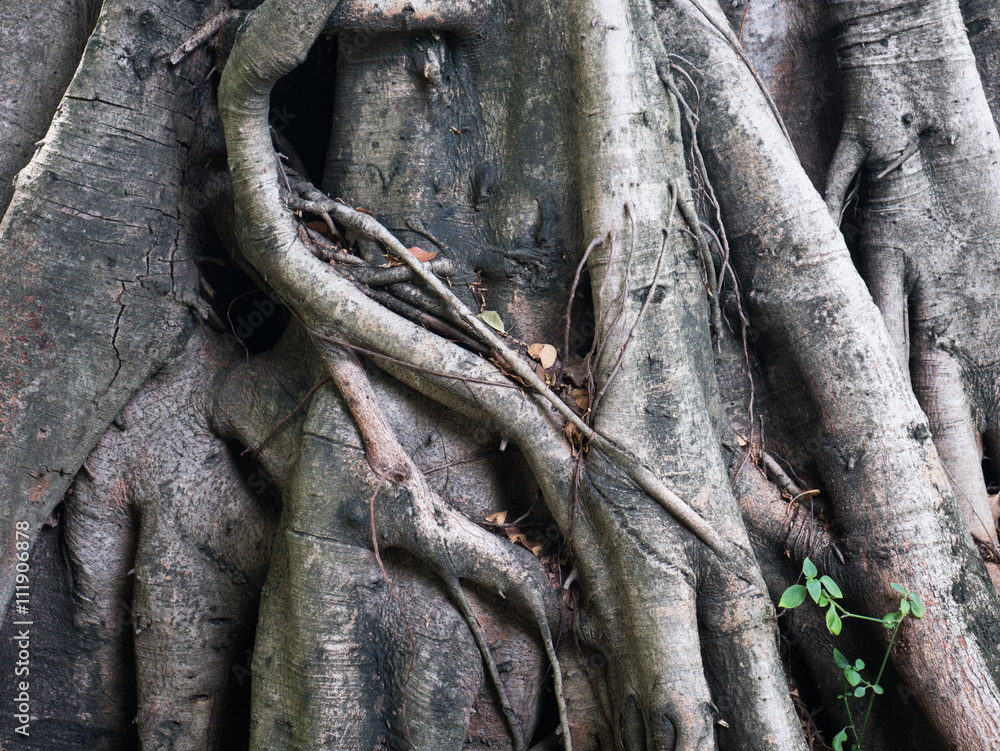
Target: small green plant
[{"x": 825, "y": 592}]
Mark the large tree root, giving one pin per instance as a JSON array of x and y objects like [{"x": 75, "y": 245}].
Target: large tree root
[
  {"x": 807, "y": 297},
  {"x": 333, "y": 555},
  {"x": 166, "y": 563},
  {"x": 732, "y": 608},
  {"x": 98, "y": 300},
  {"x": 929, "y": 219}
]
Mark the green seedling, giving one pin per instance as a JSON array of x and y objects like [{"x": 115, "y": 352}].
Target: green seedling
[{"x": 825, "y": 593}]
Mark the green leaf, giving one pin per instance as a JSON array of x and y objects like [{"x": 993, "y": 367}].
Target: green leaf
[
  {"x": 833, "y": 621},
  {"x": 859, "y": 664},
  {"x": 831, "y": 587},
  {"x": 809, "y": 569},
  {"x": 852, "y": 676},
  {"x": 492, "y": 319},
  {"x": 899, "y": 588},
  {"x": 916, "y": 606},
  {"x": 815, "y": 589},
  {"x": 839, "y": 658},
  {"x": 890, "y": 620},
  {"x": 823, "y": 600},
  {"x": 838, "y": 740},
  {"x": 877, "y": 689},
  {"x": 793, "y": 597},
  {"x": 904, "y": 606},
  {"x": 859, "y": 691}
]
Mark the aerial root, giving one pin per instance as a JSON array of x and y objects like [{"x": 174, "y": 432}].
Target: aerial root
[
  {"x": 451, "y": 544},
  {"x": 368, "y": 226},
  {"x": 510, "y": 716}
]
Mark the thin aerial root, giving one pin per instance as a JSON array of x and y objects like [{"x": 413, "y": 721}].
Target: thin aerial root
[
  {"x": 645, "y": 303},
  {"x": 694, "y": 224},
  {"x": 550, "y": 649},
  {"x": 204, "y": 32},
  {"x": 572, "y": 293},
  {"x": 462, "y": 603}
]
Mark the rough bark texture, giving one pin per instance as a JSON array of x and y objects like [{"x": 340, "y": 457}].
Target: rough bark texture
[
  {"x": 42, "y": 44},
  {"x": 725, "y": 398}
]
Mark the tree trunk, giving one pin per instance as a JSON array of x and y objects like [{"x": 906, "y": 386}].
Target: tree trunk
[{"x": 642, "y": 336}]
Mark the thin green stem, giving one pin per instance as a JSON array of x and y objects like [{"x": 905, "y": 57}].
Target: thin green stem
[
  {"x": 850, "y": 717},
  {"x": 848, "y": 614},
  {"x": 878, "y": 678}
]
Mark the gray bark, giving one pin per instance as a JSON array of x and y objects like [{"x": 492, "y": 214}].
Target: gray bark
[{"x": 392, "y": 616}]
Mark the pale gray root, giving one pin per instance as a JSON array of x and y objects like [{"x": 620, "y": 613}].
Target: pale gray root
[
  {"x": 169, "y": 547},
  {"x": 983, "y": 30},
  {"x": 871, "y": 441},
  {"x": 96, "y": 300},
  {"x": 445, "y": 540},
  {"x": 657, "y": 349},
  {"x": 42, "y": 44},
  {"x": 322, "y": 299},
  {"x": 930, "y": 225},
  {"x": 325, "y": 572}
]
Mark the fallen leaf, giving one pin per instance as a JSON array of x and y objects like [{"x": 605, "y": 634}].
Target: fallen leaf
[
  {"x": 581, "y": 397},
  {"x": 498, "y": 517},
  {"x": 318, "y": 226},
  {"x": 547, "y": 357},
  {"x": 365, "y": 211},
  {"x": 492, "y": 319},
  {"x": 741, "y": 440},
  {"x": 422, "y": 255},
  {"x": 545, "y": 354},
  {"x": 516, "y": 536}
]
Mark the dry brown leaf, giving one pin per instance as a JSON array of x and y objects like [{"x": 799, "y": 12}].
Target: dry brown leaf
[
  {"x": 422, "y": 255},
  {"x": 498, "y": 517},
  {"x": 318, "y": 226},
  {"x": 741, "y": 440},
  {"x": 547, "y": 357},
  {"x": 366, "y": 211},
  {"x": 581, "y": 397},
  {"x": 545, "y": 354},
  {"x": 516, "y": 536},
  {"x": 536, "y": 548}
]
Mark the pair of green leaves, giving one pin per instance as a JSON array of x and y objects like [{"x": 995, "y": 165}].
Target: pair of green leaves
[
  {"x": 852, "y": 674},
  {"x": 910, "y": 605},
  {"x": 822, "y": 589}
]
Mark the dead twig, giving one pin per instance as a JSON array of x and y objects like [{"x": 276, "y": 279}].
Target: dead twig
[{"x": 203, "y": 33}]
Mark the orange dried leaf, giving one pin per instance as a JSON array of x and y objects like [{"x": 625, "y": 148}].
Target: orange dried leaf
[
  {"x": 514, "y": 534},
  {"x": 365, "y": 211},
  {"x": 422, "y": 255},
  {"x": 318, "y": 226},
  {"x": 498, "y": 517},
  {"x": 547, "y": 356}
]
